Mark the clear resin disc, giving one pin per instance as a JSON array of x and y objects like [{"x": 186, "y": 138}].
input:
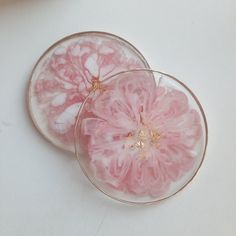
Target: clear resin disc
[
  {"x": 141, "y": 136},
  {"x": 65, "y": 75}
]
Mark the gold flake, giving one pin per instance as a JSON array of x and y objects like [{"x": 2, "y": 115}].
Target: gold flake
[
  {"x": 129, "y": 135},
  {"x": 155, "y": 136},
  {"x": 96, "y": 85},
  {"x": 142, "y": 135},
  {"x": 139, "y": 144}
]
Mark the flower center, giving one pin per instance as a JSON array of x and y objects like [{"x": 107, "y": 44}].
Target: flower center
[
  {"x": 142, "y": 140},
  {"x": 96, "y": 85}
]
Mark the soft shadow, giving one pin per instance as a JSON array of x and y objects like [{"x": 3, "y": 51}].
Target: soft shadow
[{"x": 8, "y": 3}]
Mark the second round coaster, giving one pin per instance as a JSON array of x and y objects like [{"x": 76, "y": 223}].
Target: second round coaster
[{"x": 65, "y": 75}]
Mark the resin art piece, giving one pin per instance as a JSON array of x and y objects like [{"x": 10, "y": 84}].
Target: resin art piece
[
  {"x": 65, "y": 75},
  {"x": 141, "y": 136}
]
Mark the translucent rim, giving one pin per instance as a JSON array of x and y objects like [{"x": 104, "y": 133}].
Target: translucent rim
[
  {"x": 202, "y": 157},
  {"x": 72, "y": 36}
]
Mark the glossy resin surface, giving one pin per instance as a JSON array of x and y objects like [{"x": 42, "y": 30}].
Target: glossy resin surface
[
  {"x": 66, "y": 74},
  {"x": 141, "y": 136}
]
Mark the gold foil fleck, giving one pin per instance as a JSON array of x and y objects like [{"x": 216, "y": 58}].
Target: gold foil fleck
[{"x": 96, "y": 85}]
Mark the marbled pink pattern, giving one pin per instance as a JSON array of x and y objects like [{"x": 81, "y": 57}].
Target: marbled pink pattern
[
  {"x": 67, "y": 77},
  {"x": 138, "y": 138}
]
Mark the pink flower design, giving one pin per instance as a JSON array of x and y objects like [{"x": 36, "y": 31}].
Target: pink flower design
[
  {"x": 70, "y": 74},
  {"x": 138, "y": 138}
]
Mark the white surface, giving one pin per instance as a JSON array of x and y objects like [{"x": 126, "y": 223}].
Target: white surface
[{"x": 42, "y": 190}]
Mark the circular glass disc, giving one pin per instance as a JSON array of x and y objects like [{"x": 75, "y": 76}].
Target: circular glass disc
[
  {"x": 65, "y": 75},
  {"x": 141, "y": 136}
]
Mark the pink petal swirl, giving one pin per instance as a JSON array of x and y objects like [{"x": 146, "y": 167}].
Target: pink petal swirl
[
  {"x": 138, "y": 138},
  {"x": 67, "y": 77}
]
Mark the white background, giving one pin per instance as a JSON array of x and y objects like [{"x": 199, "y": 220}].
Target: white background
[{"x": 42, "y": 190}]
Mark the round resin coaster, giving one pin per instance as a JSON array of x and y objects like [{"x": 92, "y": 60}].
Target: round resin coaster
[
  {"x": 141, "y": 136},
  {"x": 67, "y": 72}
]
